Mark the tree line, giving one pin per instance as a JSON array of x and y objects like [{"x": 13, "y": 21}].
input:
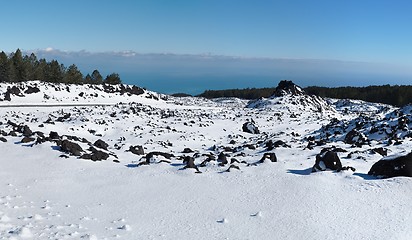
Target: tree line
[
  {"x": 394, "y": 95},
  {"x": 247, "y": 93},
  {"x": 18, "y": 68}
]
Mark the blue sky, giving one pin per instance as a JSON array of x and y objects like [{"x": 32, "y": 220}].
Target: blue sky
[{"x": 355, "y": 31}]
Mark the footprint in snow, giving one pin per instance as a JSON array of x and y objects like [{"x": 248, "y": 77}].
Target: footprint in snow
[
  {"x": 224, "y": 220},
  {"x": 125, "y": 227},
  {"x": 258, "y": 214}
]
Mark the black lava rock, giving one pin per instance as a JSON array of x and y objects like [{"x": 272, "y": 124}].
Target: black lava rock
[
  {"x": 250, "y": 127},
  {"x": 70, "y": 147},
  {"x": 138, "y": 150},
  {"x": 400, "y": 166},
  {"x": 327, "y": 160},
  {"x": 101, "y": 144}
]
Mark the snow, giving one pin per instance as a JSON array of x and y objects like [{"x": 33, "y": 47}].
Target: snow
[{"x": 44, "y": 196}]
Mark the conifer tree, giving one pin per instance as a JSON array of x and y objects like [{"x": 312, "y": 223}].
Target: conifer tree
[
  {"x": 19, "y": 66},
  {"x": 113, "y": 79},
  {"x": 4, "y": 68},
  {"x": 96, "y": 77},
  {"x": 73, "y": 75}
]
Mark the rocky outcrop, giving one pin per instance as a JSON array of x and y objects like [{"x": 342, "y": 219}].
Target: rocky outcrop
[
  {"x": 286, "y": 87},
  {"x": 393, "y": 167}
]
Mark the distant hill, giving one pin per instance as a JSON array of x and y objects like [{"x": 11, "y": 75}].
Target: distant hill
[{"x": 394, "y": 95}]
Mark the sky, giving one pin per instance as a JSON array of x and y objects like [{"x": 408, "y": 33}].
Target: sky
[{"x": 375, "y": 34}]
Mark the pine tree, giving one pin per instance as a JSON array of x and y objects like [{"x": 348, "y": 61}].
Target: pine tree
[
  {"x": 20, "y": 67},
  {"x": 113, "y": 79},
  {"x": 4, "y": 68},
  {"x": 54, "y": 72},
  {"x": 39, "y": 71},
  {"x": 73, "y": 75},
  {"x": 96, "y": 77},
  {"x": 88, "y": 79}
]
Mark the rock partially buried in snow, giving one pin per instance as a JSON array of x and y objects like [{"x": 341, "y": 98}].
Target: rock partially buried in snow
[
  {"x": 250, "y": 127},
  {"x": 393, "y": 167},
  {"x": 138, "y": 150},
  {"x": 327, "y": 160}
]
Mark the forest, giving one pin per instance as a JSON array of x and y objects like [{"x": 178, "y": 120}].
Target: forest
[
  {"x": 17, "y": 67},
  {"x": 396, "y": 95}
]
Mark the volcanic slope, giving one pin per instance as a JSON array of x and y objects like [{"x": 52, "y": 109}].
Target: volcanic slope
[{"x": 184, "y": 168}]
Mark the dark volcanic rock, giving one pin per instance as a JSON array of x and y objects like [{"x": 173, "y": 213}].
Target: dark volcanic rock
[
  {"x": 287, "y": 87},
  {"x": 270, "y": 145},
  {"x": 70, "y": 147},
  {"x": 54, "y": 135},
  {"x": 187, "y": 150},
  {"x": 2, "y": 139},
  {"x": 222, "y": 159},
  {"x": 101, "y": 144},
  {"x": 26, "y": 131},
  {"x": 138, "y": 150},
  {"x": 64, "y": 117},
  {"x": 7, "y": 96},
  {"x": 271, "y": 156},
  {"x": 96, "y": 156},
  {"x": 382, "y": 151},
  {"x": 250, "y": 127},
  {"x": 327, "y": 160},
  {"x": 27, "y": 140},
  {"x": 232, "y": 167},
  {"x": 400, "y": 166},
  {"x": 355, "y": 137},
  {"x": 14, "y": 90},
  {"x": 150, "y": 155},
  {"x": 31, "y": 90}
]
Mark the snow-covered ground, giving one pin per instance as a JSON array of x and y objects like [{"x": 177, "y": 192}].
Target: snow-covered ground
[{"x": 49, "y": 194}]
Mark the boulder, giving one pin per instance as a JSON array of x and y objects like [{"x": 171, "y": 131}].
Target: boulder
[
  {"x": 393, "y": 167},
  {"x": 150, "y": 155},
  {"x": 271, "y": 156},
  {"x": 7, "y": 96},
  {"x": 70, "y": 147},
  {"x": 270, "y": 145},
  {"x": 96, "y": 156},
  {"x": 222, "y": 159},
  {"x": 64, "y": 117},
  {"x": 382, "y": 151},
  {"x": 355, "y": 137},
  {"x": 101, "y": 144},
  {"x": 327, "y": 160},
  {"x": 26, "y": 131},
  {"x": 138, "y": 150},
  {"x": 14, "y": 90},
  {"x": 27, "y": 140},
  {"x": 187, "y": 150},
  {"x": 250, "y": 127},
  {"x": 2, "y": 139},
  {"x": 54, "y": 135},
  {"x": 31, "y": 90},
  {"x": 190, "y": 163}
]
